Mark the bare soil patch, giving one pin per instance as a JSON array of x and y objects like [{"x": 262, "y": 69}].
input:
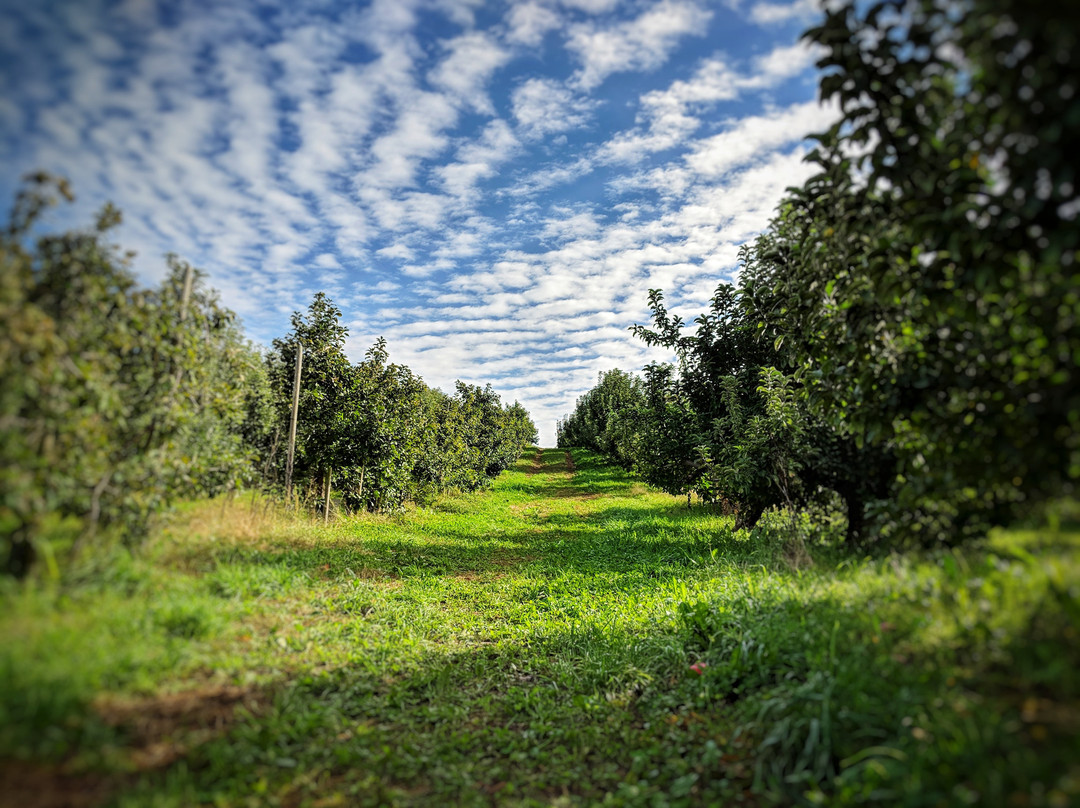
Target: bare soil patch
[
  {"x": 164, "y": 728},
  {"x": 161, "y": 729},
  {"x": 33, "y": 785},
  {"x": 537, "y": 464}
]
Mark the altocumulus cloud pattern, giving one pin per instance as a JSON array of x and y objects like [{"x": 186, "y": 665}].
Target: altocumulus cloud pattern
[{"x": 492, "y": 186}]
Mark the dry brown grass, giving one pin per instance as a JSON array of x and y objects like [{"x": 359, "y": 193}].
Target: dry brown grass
[
  {"x": 795, "y": 555},
  {"x": 258, "y": 524}
]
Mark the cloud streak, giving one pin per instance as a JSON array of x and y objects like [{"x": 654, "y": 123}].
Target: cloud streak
[
  {"x": 642, "y": 43},
  {"x": 494, "y": 189}
]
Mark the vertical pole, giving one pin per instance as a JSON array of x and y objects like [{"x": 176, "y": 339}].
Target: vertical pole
[
  {"x": 185, "y": 298},
  {"x": 292, "y": 421},
  {"x": 326, "y": 505}
]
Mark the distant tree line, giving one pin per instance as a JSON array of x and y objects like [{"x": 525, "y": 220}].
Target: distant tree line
[
  {"x": 373, "y": 430},
  {"x": 117, "y": 399},
  {"x": 905, "y": 333}
]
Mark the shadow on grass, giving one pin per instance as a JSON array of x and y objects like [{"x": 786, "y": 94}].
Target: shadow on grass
[
  {"x": 824, "y": 682},
  {"x": 618, "y": 538},
  {"x": 817, "y": 682}
]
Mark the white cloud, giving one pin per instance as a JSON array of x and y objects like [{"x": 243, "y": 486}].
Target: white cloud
[
  {"x": 756, "y": 136},
  {"x": 411, "y": 210},
  {"x": 774, "y": 13},
  {"x": 472, "y": 59},
  {"x": 783, "y": 63},
  {"x": 545, "y": 106},
  {"x": 301, "y": 56},
  {"x": 643, "y": 43},
  {"x": 570, "y": 226},
  {"x": 496, "y": 144},
  {"x": 327, "y": 261},
  {"x": 419, "y": 133},
  {"x": 591, "y": 6},
  {"x": 530, "y": 22},
  {"x": 385, "y": 23},
  {"x": 397, "y": 251},
  {"x": 670, "y": 116},
  {"x": 462, "y": 12},
  {"x": 479, "y": 160},
  {"x": 462, "y": 244},
  {"x": 550, "y": 176}
]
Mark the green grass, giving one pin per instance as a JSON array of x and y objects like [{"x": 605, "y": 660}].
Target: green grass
[{"x": 532, "y": 645}]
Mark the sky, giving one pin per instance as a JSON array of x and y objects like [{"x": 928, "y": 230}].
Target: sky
[{"x": 491, "y": 185}]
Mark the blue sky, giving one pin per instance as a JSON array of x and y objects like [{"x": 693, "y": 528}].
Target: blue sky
[{"x": 492, "y": 186}]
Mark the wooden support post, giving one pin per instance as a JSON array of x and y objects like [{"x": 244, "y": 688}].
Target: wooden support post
[
  {"x": 185, "y": 298},
  {"x": 326, "y": 504},
  {"x": 292, "y": 421}
]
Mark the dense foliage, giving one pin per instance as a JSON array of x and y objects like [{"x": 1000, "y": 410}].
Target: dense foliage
[
  {"x": 927, "y": 274},
  {"x": 905, "y": 332},
  {"x": 113, "y": 398},
  {"x": 727, "y": 422},
  {"x": 605, "y": 418},
  {"x": 116, "y": 399},
  {"x": 374, "y": 431}
]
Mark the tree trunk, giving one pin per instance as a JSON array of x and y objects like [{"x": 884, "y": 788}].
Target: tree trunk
[
  {"x": 748, "y": 515},
  {"x": 856, "y": 519},
  {"x": 22, "y": 554}
]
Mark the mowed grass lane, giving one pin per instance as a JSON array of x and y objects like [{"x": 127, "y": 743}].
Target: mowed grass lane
[{"x": 568, "y": 637}]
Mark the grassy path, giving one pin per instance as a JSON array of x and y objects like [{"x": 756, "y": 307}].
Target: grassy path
[{"x": 565, "y": 638}]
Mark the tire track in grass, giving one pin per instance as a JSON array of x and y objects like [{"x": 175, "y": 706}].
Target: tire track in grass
[{"x": 537, "y": 464}]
